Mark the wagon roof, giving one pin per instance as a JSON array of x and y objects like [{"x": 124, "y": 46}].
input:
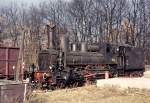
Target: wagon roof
[{"x": 9, "y": 47}]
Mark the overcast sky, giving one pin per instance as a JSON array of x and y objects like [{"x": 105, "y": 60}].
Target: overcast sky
[{"x": 6, "y": 2}]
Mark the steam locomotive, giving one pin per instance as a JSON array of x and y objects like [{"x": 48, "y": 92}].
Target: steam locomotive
[
  {"x": 57, "y": 69},
  {"x": 82, "y": 63}
]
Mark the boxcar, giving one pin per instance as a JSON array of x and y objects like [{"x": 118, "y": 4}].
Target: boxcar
[{"x": 8, "y": 62}]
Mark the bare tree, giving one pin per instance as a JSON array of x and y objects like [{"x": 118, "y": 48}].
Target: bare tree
[
  {"x": 81, "y": 14},
  {"x": 113, "y": 21},
  {"x": 11, "y": 17}
]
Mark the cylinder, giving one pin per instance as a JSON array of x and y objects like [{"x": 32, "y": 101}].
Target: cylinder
[
  {"x": 73, "y": 47},
  {"x": 83, "y": 47}
]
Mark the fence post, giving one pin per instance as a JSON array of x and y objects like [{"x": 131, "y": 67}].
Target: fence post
[{"x": 106, "y": 74}]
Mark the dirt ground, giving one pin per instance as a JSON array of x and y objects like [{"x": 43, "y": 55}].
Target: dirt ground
[
  {"x": 92, "y": 94},
  {"x": 141, "y": 82}
]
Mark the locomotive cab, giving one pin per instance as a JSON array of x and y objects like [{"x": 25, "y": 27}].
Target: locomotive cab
[{"x": 128, "y": 65}]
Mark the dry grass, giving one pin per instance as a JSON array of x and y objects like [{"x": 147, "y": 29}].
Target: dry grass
[{"x": 93, "y": 94}]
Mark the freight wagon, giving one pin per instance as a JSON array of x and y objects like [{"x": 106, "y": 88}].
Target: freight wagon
[{"x": 8, "y": 62}]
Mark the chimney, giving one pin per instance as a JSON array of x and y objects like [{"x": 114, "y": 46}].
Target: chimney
[
  {"x": 64, "y": 46},
  {"x": 51, "y": 38},
  {"x": 83, "y": 47},
  {"x": 50, "y": 34}
]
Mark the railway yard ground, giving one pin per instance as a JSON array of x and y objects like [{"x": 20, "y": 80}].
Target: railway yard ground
[
  {"x": 93, "y": 94},
  {"x": 97, "y": 94}
]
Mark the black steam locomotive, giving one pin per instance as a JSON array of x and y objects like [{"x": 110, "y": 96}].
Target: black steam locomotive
[
  {"x": 73, "y": 68},
  {"x": 74, "y": 64}
]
